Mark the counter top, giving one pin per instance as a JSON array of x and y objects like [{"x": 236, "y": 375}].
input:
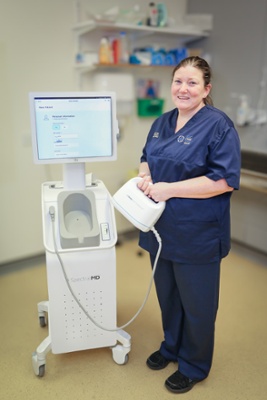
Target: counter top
[{"x": 254, "y": 161}]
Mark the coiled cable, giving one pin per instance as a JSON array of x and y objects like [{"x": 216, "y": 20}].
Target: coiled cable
[{"x": 52, "y": 216}]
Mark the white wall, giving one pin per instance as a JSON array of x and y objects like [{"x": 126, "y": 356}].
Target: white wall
[
  {"x": 238, "y": 48},
  {"x": 37, "y": 54}
]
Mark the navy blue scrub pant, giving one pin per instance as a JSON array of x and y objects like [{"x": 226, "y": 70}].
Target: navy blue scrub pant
[{"x": 188, "y": 296}]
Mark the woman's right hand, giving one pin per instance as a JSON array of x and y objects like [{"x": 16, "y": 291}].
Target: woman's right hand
[{"x": 145, "y": 182}]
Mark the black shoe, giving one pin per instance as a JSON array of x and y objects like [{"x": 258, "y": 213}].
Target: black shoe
[
  {"x": 157, "y": 361},
  {"x": 179, "y": 383}
]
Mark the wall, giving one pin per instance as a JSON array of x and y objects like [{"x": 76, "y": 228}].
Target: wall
[
  {"x": 238, "y": 48},
  {"x": 32, "y": 58},
  {"x": 37, "y": 54}
]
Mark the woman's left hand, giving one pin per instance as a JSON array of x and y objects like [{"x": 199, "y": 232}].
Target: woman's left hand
[{"x": 158, "y": 191}]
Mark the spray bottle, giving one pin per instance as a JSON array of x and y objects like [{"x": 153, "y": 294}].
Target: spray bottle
[{"x": 243, "y": 111}]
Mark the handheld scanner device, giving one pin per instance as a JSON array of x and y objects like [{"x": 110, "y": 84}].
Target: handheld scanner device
[{"x": 135, "y": 206}]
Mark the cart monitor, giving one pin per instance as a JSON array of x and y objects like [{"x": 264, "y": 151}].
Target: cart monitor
[{"x": 77, "y": 127}]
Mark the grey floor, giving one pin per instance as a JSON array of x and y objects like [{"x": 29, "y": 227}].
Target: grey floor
[{"x": 240, "y": 358}]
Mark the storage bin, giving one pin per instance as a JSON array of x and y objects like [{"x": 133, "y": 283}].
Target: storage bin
[{"x": 150, "y": 107}]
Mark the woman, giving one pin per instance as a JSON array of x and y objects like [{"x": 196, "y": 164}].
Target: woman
[{"x": 191, "y": 160}]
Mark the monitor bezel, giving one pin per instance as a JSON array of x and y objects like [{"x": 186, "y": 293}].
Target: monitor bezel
[{"x": 78, "y": 94}]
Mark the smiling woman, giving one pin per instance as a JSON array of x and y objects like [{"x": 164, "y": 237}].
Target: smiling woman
[
  {"x": 193, "y": 164},
  {"x": 190, "y": 88}
]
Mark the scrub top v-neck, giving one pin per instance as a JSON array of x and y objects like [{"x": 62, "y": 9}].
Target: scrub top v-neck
[{"x": 193, "y": 230}]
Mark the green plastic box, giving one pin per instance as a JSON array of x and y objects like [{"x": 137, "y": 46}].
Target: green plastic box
[{"x": 150, "y": 107}]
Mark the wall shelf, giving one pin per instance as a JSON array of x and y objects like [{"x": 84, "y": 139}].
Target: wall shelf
[
  {"x": 88, "y": 35},
  {"x": 186, "y": 33},
  {"x": 86, "y": 68}
]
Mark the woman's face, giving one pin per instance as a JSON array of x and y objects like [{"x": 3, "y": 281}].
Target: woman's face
[{"x": 188, "y": 90}]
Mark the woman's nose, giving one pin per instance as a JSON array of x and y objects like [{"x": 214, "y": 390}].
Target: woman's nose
[{"x": 183, "y": 87}]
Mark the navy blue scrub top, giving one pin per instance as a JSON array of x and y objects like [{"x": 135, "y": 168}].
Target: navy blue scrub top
[{"x": 193, "y": 230}]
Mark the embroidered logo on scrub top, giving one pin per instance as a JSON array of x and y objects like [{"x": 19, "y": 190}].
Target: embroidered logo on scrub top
[
  {"x": 156, "y": 135},
  {"x": 184, "y": 140},
  {"x": 188, "y": 139}
]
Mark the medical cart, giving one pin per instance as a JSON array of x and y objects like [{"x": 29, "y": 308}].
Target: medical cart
[{"x": 79, "y": 233}]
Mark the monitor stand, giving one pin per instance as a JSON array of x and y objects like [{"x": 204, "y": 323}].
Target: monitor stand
[{"x": 74, "y": 176}]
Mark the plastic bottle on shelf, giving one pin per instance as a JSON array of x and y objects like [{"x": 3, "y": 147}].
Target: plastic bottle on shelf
[
  {"x": 162, "y": 14},
  {"x": 124, "y": 49},
  {"x": 104, "y": 53},
  {"x": 152, "y": 19},
  {"x": 116, "y": 50}
]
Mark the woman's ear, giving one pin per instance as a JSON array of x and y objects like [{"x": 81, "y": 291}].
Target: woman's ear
[{"x": 207, "y": 89}]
